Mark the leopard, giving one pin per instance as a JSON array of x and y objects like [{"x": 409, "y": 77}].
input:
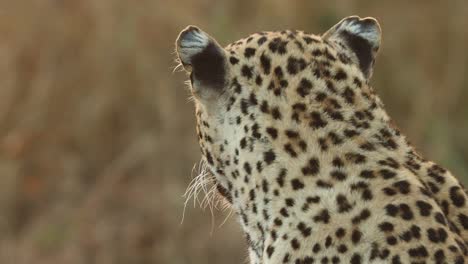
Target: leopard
[{"x": 300, "y": 145}]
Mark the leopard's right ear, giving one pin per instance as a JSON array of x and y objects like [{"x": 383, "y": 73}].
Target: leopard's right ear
[
  {"x": 204, "y": 58},
  {"x": 361, "y": 37}
]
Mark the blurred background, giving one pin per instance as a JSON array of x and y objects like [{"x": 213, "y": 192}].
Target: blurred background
[{"x": 97, "y": 135}]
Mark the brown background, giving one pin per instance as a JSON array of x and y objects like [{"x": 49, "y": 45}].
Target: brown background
[{"x": 97, "y": 137}]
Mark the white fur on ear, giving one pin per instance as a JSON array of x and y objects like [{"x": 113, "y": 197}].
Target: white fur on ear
[
  {"x": 367, "y": 28},
  {"x": 191, "y": 41}
]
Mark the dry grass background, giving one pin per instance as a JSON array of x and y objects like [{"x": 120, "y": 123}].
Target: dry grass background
[{"x": 97, "y": 137}]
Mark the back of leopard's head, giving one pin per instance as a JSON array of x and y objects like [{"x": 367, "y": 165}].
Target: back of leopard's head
[{"x": 277, "y": 108}]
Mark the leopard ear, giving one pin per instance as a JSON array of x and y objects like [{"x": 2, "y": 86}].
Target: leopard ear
[
  {"x": 361, "y": 36},
  {"x": 203, "y": 57}
]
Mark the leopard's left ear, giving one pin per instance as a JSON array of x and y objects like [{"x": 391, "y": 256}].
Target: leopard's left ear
[
  {"x": 361, "y": 36},
  {"x": 204, "y": 58}
]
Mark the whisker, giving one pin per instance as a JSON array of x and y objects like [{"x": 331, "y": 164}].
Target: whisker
[{"x": 226, "y": 218}]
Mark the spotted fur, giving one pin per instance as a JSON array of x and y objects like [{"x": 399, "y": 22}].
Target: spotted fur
[{"x": 303, "y": 149}]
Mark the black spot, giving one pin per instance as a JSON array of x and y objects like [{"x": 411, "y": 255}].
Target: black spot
[
  {"x": 323, "y": 216},
  {"x": 338, "y": 175},
  {"x": 440, "y": 218},
  {"x": 253, "y": 99},
  {"x": 320, "y": 97},
  {"x": 386, "y": 227},
  {"x": 335, "y": 138},
  {"x": 424, "y": 208},
  {"x": 264, "y": 107},
  {"x": 324, "y": 184},
  {"x": 343, "y": 203},
  {"x": 406, "y": 212},
  {"x": 457, "y": 196},
  {"x": 289, "y": 202},
  {"x": 264, "y": 185},
  {"x": 278, "y": 46},
  {"x": 279, "y": 72},
  {"x": 406, "y": 236},
  {"x": 316, "y": 121},
  {"x": 418, "y": 252},
  {"x": 437, "y": 235},
  {"x": 247, "y": 71},
  {"x": 365, "y": 213},
  {"x": 299, "y": 45},
  {"x": 337, "y": 162},
  {"x": 209, "y": 158},
  {"x": 335, "y": 115},
  {"x": 323, "y": 144},
  {"x": 392, "y": 210},
  {"x": 313, "y": 199},
  {"x": 356, "y": 259},
  {"x": 255, "y": 132},
  {"x": 243, "y": 143},
  {"x": 367, "y": 174},
  {"x": 233, "y": 60},
  {"x": 396, "y": 260},
  {"x": 387, "y": 174},
  {"x": 311, "y": 168},
  {"x": 284, "y": 212},
  {"x": 261, "y": 40},
  {"x": 348, "y": 95},
  {"x": 356, "y": 236},
  {"x": 439, "y": 256},
  {"x": 463, "y": 219},
  {"x": 328, "y": 241},
  {"x": 436, "y": 172},
  {"x": 391, "y": 240},
  {"x": 281, "y": 176},
  {"x": 297, "y": 184},
  {"x": 303, "y": 145},
  {"x": 403, "y": 186},
  {"x": 299, "y": 107},
  {"x": 258, "y": 80},
  {"x": 291, "y": 134},
  {"x": 342, "y": 248},
  {"x": 340, "y": 75},
  {"x": 305, "y": 230},
  {"x": 355, "y": 157},
  {"x": 295, "y": 244},
  {"x": 249, "y": 52},
  {"x": 265, "y": 62},
  {"x": 389, "y": 191},
  {"x": 252, "y": 195},
  {"x": 269, "y": 156},
  {"x": 273, "y": 132},
  {"x": 270, "y": 250},
  {"x": 288, "y": 148},
  {"x": 304, "y": 87},
  {"x": 295, "y": 65},
  {"x": 247, "y": 168},
  {"x": 224, "y": 193},
  {"x": 237, "y": 86},
  {"x": 316, "y": 248},
  {"x": 349, "y": 133},
  {"x": 340, "y": 232},
  {"x": 276, "y": 113}
]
